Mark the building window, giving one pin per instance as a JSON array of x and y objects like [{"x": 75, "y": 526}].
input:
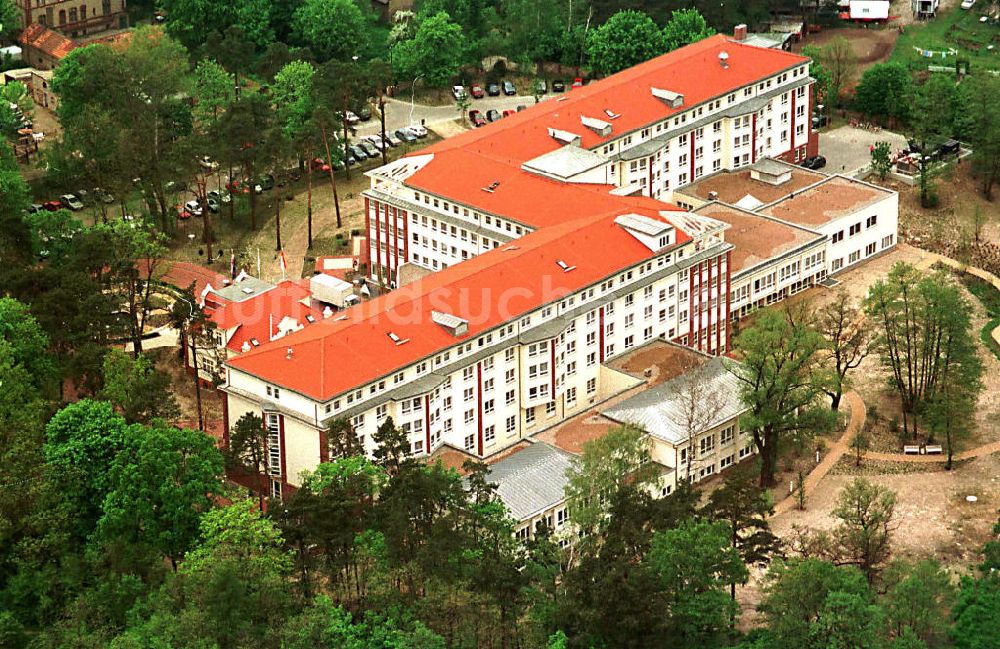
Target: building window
[
  {"x": 529, "y": 416},
  {"x": 490, "y": 434},
  {"x": 470, "y": 442},
  {"x": 706, "y": 444},
  {"x": 511, "y": 425}
]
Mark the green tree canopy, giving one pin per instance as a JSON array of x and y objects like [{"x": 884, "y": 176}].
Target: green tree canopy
[
  {"x": 137, "y": 388},
  {"x": 885, "y": 91},
  {"x": 685, "y": 26},
  {"x": 626, "y": 39},
  {"x": 435, "y": 53},
  {"x": 332, "y": 29}
]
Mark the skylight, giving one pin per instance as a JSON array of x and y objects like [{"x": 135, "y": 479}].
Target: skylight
[
  {"x": 565, "y": 267},
  {"x": 394, "y": 337}
]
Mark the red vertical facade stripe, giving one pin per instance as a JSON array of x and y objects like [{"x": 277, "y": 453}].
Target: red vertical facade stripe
[
  {"x": 729, "y": 288},
  {"x": 479, "y": 406},
  {"x": 323, "y": 455},
  {"x": 427, "y": 422},
  {"x": 708, "y": 309},
  {"x": 691, "y": 273},
  {"x": 692, "y": 156},
  {"x": 225, "y": 419},
  {"x": 753, "y": 138},
  {"x": 791, "y": 134},
  {"x": 281, "y": 443},
  {"x": 600, "y": 333},
  {"x": 406, "y": 239},
  {"x": 718, "y": 309}
]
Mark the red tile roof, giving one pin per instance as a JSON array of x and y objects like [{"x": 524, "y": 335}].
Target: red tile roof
[
  {"x": 334, "y": 356},
  {"x": 257, "y": 318},
  {"x": 575, "y": 223},
  {"x": 46, "y": 40}
]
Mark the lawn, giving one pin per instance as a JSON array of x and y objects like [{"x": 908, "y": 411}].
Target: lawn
[{"x": 953, "y": 28}]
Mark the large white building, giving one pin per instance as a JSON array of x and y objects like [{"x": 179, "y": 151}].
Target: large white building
[{"x": 546, "y": 250}]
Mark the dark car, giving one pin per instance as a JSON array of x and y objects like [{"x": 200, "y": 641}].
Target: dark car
[
  {"x": 493, "y": 89},
  {"x": 264, "y": 183},
  {"x": 521, "y": 107},
  {"x": 949, "y": 148},
  {"x": 358, "y": 153},
  {"x": 477, "y": 91},
  {"x": 819, "y": 121},
  {"x": 364, "y": 113},
  {"x": 213, "y": 204},
  {"x": 492, "y": 115},
  {"x": 815, "y": 162},
  {"x": 542, "y": 86},
  {"x": 406, "y": 135},
  {"x": 369, "y": 148},
  {"x": 35, "y": 208},
  {"x": 558, "y": 86},
  {"x": 509, "y": 89}
]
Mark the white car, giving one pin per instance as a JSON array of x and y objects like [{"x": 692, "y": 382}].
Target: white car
[
  {"x": 194, "y": 207},
  {"x": 967, "y": 4},
  {"x": 457, "y": 91},
  {"x": 418, "y": 130}
]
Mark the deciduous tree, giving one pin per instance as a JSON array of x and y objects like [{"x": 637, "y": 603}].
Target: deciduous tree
[
  {"x": 140, "y": 391},
  {"x": 435, "y": 53},
  {"x": 864, "y": 535},
  {"x": 626, "y": 39},
  {"x": 332, "y": 29},
  {"x": 780, "y": 380},
  {"x": 685, "y": 26},
  {"x": 848, "y": 339}
]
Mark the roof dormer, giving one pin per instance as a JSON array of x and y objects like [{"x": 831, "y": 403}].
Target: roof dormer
[
  {"x": 598, "y": 126},
  {"x": 669, "y": 97}
]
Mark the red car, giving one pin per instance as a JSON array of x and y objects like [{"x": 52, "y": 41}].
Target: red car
[
  {"x": 578, "y": 82},
  {"x": 182, "y": 212},
  {"x": 477, "y": 91},
  {"x": 509, "y": 112},
  {"x": 52, "y": 206},
  {"x": 477, "y": 118},
  {"x": 319, "y": 164}
]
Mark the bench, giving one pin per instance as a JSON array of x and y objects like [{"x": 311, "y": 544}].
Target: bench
[
  {"x": 911, "y": 450},
  {"x": 934, "y": 449}
]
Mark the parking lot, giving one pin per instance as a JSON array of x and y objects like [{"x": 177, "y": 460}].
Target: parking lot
[
  {"x": 400, "y": 113},
  {"x": 847, "y": 148}
]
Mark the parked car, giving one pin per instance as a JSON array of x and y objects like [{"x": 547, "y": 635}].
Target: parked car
[
  {"x": 369, "y": 148},
  {"x": 477, "y": 91},
  {"x": 175, "y": 186},
  {"x": 521, "y": 107},
  {"x": 352, "y": 118},
  {"x": 578, "y": 82},
  {"x": 83, "y": 195},
  {"x": 949, "y": 148},
  {"x": 374, "y": 141},
  {"x": 213, "y": 204},
  {"x": 71, "y": 202},
  {"x": 222, "y": 197},
  {"x": 319, "y": 164},
  {"x": 457, "y": 92},
  {"x": 815, "y": 162},
  {"x": 509, "y": 89},
  {"x": 406, "y": 135},
  {"x": 103, "y": 196},
  {"x": 819, "y": 121},
  {"x": 476, "y": 118},
  {"x": 264, "y": 183},
  {"x": 542, "y": 86},
  {"x": 509, "y": 112},
  {"x": 493, "y": 89},
  {"x": 392, "y": 139},
  {"x": 359, "y": 154},
  {"x": 967, "y": 4},
  {"x": 418, "y": 130},
  {"x": 52, "y": 206},
  {"x": 207, "y": 163},
  {"x": 493, "y": 115},
  {"x": 194, "y": 207},
  {"x": 558, "y": 86},
  {"x": 35, "y": 208},
  {"x": 182, "y": 213},
  {"x": 364, "y": 113}
]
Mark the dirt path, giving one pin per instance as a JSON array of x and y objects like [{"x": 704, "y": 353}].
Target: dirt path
[{"x": 833, "y": 455}]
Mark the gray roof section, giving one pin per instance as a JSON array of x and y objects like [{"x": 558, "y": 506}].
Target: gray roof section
[
  {"x": 660, "y": 411},
  {"x": 532, "y": 480},
  {"x": 248, "y": 287},
  {"x": 643, "y": 224},
  {"x": 565, "y": 162},
  {"x": 771, "y": 167}
]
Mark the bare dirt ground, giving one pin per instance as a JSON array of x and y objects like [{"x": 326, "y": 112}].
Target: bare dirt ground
[{"x": 871, "y": 45}]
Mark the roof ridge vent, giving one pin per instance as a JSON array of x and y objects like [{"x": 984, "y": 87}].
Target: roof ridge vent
[
  {"x": 669, "y": 97},
  {"x": 492, "y": 187},
  {"x": 394, "y": 337},
  {"x": 611, "y": 114},
  {"x": 599, "y": 126},
  {"x": 565, "y": 267}
]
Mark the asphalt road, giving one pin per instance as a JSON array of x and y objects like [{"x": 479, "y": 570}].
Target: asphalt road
[{"x": 400, "y": 113}]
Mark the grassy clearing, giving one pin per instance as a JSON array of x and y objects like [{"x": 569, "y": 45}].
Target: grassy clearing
[
  {"x": 953, "y": 28},
  {"x": 989, "y": 297}
]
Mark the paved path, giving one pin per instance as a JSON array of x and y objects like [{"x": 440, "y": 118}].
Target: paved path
[{"x": 833, "y": 454}]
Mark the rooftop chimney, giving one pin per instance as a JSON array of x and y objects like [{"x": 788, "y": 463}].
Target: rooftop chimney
[{"x": 740, "y": 32}]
